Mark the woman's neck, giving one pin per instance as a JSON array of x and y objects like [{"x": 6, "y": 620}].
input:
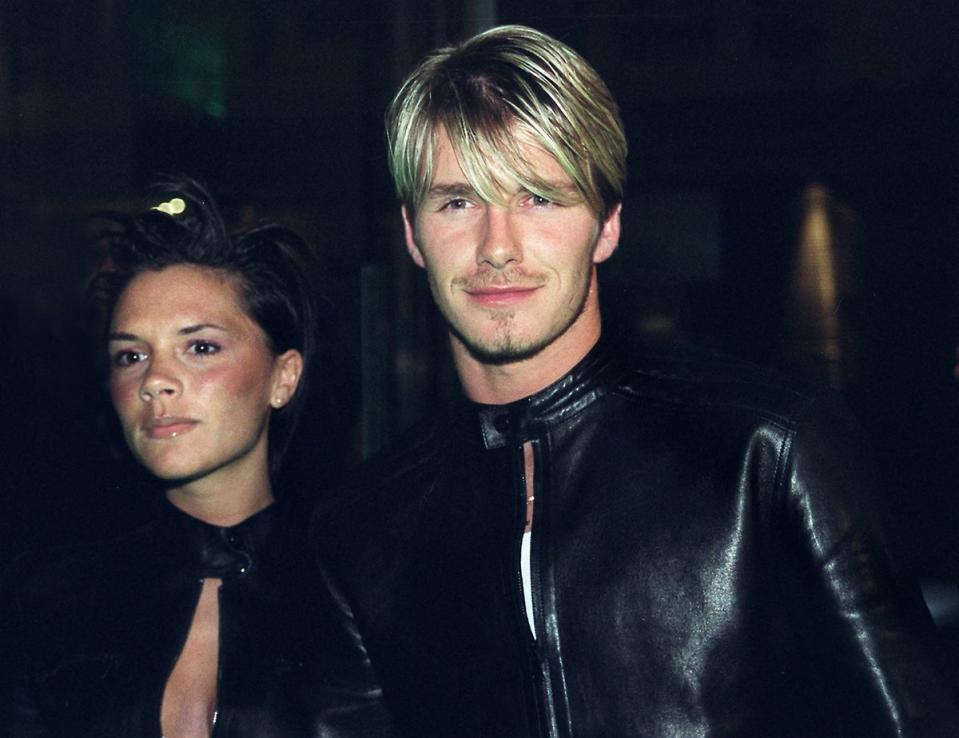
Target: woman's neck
[{"x": 219, "y": 504}]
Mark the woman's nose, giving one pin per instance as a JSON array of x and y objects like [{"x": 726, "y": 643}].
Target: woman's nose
[{"x": 159, "y": 381}]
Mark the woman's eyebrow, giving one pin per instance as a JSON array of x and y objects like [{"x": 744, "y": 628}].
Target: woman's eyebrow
[
  {"x": 199, "y": 327},
  {"x": 185, "y": 331}
]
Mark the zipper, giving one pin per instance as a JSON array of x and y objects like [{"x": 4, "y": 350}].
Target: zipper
[
  {"x": 533, "y": 668},
  {"x": 551, "y": 698},
  {"x": 522, "y": 504}
]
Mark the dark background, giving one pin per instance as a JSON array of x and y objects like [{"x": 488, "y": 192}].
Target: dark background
[{"x": 793, "y": 199}]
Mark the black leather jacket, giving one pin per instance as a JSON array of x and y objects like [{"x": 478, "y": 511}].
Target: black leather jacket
[
  {"x": 705, "y": 562},
  {"x": 89, "y": 637}
]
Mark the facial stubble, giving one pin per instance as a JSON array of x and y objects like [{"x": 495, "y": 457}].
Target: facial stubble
[{"x": 506, "y": 347}]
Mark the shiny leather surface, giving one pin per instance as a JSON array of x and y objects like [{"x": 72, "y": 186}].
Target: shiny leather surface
[
  {"x": 89, "y": 636},
  {"x": 706, "y": 561}
]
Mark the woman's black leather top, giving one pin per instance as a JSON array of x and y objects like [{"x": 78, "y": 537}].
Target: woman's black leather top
[{"x": 90, "y": 636}]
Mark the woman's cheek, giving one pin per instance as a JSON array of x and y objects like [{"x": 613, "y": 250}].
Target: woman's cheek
[
  {"x": 210, "y": 380},
  {"x": 231, "y": 381},
  {"x": 122, "y": 393}
]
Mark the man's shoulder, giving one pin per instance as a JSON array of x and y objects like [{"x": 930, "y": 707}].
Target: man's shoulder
[
  {"x": 407, "y": 457},
  {"x": 705, "y": 381},
  {"x": 392, "y": 478},
  {"x": 361, "y": 527}
]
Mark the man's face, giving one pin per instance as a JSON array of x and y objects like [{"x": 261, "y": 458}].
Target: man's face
[{"x": 510, "y": 279}]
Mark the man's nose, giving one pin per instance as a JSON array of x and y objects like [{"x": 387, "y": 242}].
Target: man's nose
[{"x": 499, "y": 243}]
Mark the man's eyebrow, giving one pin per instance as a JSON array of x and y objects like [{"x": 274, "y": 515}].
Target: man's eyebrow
[
  {"x": 455, "y": 189},
  {"x": 560, "y": 185}
]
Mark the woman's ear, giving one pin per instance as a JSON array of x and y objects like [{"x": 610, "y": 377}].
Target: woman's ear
[{"x": 287, "y": 370}]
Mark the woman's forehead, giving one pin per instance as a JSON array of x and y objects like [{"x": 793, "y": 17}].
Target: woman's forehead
[{"x": 179, "y": 291}]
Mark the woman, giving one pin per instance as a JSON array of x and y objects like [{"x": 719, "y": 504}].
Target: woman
[{"x": 211, "y": 619}]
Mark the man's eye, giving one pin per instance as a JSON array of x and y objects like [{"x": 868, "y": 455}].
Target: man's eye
[
  {"x": 457, "y": 203},
  {"x": 127, "y": 358},
  {"x": 204, "y": 348}
]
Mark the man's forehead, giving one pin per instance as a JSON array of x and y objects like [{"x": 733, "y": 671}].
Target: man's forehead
[{"x": 459, "y": 167}]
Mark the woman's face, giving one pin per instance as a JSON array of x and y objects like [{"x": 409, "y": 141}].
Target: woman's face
[{"x": 192, "y": 378}]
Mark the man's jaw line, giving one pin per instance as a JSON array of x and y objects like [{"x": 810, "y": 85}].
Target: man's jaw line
[{"x": 501, "y": 376}]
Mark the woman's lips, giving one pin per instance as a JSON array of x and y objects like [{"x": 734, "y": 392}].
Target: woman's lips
[
  {"x": 169, "y": 427},
  {"x": 500, "y": 296}
]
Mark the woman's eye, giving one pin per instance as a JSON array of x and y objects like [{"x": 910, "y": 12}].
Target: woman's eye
[
  {"x": 204, "y": 348},
  {"x": 127, "y": 357},
  {"x": 539, "y": 200}
]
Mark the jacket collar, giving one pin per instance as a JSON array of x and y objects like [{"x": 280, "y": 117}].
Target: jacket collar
[
  {"x": 564, "y": 399},
  {"x": 212, "y": 550}
]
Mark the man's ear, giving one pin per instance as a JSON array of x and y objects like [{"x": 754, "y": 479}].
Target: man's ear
[
  {"x": 608, "y": 235},
  {"x": 287, "y": 370},
  {"x": 410, "y": 233}
]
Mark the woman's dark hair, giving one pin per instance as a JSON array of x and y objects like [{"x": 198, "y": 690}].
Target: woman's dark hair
[{"x": 271, "y": 266}]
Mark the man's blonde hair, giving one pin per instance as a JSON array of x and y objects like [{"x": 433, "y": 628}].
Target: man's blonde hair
[{"x": 491, "y": 94}]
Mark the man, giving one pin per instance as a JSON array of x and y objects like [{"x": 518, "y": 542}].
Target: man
[{"x": 586, "y": 544}]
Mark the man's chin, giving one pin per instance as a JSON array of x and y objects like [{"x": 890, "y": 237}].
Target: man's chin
[{"x": 503, "y": 351}]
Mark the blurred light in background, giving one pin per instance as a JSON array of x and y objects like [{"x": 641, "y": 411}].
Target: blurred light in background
[
  {"x": 171, "y": 207},
  {"x": 813, "y": 328}
]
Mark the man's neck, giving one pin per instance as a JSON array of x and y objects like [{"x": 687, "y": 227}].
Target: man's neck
[{"x": 499, "y": 384}]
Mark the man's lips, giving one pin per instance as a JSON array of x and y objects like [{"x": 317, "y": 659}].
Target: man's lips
[
  {"x": 493, "y": 296},
  {"x": 168, "y": 427}
]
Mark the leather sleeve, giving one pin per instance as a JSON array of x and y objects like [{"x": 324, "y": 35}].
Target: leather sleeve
[
  {"x": 353, "y": 703},
  {"x": 833, "y": 493}
]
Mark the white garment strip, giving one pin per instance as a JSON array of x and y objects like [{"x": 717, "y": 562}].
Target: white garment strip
[{"x": 524, "y": 568}]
